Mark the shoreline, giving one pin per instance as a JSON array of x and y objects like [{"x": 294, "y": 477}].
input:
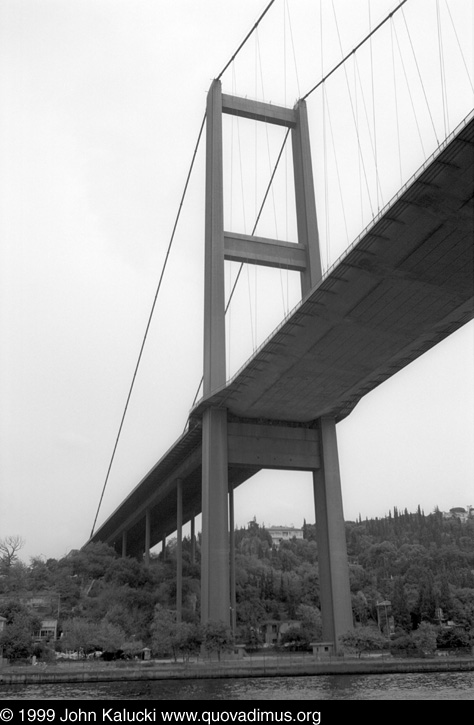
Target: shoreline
[{"x": 205, "y": 669}]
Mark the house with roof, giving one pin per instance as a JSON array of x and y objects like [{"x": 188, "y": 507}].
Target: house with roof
[{"x": 284, "y": 533}]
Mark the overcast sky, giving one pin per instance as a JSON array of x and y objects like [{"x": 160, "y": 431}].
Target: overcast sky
[{"x": 102, "y": 101}]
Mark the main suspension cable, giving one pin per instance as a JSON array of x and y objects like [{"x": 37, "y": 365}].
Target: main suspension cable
[
  {"x": 255, "y": 26},
  {"x": 249, "y": 34},
  {"x": 251, "y": 31},
  {"x": 359, "y": 45}
]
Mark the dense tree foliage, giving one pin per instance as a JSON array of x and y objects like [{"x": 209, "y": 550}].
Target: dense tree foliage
[
  {"x": 423, "y": 564},
  {"x": 16, "y": 640},
  {"x": 217, "y": 638},
  {"x": 364, "y": 639}
]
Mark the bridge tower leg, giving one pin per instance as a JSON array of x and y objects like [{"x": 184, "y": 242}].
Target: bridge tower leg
[
  {"x": 335, "y": 595},
  {"x": 215, "y": 588},
  {"x": 336, "y": 609}
]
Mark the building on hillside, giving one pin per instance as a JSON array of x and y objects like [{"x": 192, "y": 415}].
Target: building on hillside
[
  {"x": 42, "y": 602},
  {"x": 284, "y": 533},
  {"x": 48, "y": 630},
  {"x": 460, "y": 513},
  {"x": 45, "y": 605},
  {"x": 273, "y": 629}
]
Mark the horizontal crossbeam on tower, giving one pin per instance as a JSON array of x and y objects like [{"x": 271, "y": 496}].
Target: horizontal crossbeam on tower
[
  {"x": 265, "y": 252},
  {"x": 271, "y": 446},
  {"x": 259, "y": 111}
]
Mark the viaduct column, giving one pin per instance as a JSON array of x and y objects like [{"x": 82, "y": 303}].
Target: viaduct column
[
  {"x": 147, "y": 537},
  {"x": 179, "y": 549}
]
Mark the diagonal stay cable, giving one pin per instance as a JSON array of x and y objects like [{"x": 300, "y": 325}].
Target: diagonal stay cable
[{"x": 150, "y": 318}]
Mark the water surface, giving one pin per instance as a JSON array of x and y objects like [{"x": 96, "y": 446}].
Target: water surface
[{"x": 397, "y": 686}]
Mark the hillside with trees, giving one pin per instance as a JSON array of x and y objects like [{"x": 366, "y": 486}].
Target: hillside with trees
[{"x": 423, "y": 564}]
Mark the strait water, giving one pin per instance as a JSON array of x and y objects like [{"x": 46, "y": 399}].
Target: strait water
[{"x": 410, "y": 686}]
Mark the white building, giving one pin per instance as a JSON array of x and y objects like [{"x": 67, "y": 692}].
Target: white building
[{"x": 284, "y": 533}]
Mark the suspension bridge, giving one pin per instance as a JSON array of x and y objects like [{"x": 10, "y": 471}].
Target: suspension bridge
[{"x": 403, "y": 286}]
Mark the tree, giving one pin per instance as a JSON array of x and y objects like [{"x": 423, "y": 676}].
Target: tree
[
  {"x": 403, "y": 643},
  {"x": 363, "y": 639},
  {"x": 163, "y": 631},
  {"x": 17, "y": 638},
  {"x": 426, "y": 604},
  {"x": 296, "y": 638},
  {"x": 17, "y": 641},
  {"x": 188, "y": 639},
  {"x": 172, "y": 637},
  {"x": 420, "y": 643},
  {"x": 9, "y": 548},
  {"x": 311, "y": 623},
  {"x": 401, "y": 613},
  {"x": 94, "y": 561},
  {"x": 217, "y": 637},
  {"x": 81, "y": 634},
  {"x": 251, "y": 613},
  {"x": 109, "y": 637},
  {"x": 360, "y": 607},
  {"x": 425, "y": 638},
  {"x": 453, "y": 638}
]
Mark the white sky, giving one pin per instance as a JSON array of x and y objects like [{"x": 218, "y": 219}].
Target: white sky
[{"x": 102, "y": 101}]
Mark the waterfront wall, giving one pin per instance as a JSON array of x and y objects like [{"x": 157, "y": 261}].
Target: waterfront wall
[{"x": 209, "y": 670}]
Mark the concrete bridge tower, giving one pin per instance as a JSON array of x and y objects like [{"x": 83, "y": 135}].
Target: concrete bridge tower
[{"x": 283, "y": 444}]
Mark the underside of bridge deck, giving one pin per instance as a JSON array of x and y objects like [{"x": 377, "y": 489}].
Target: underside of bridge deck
[
  {"x": 404, "y": 285},
  {"x": 252, "y": 445}
]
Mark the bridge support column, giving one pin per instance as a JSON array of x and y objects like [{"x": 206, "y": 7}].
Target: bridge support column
[
  {"x": 147, "y": 537},
  {"x": 233, "y": 598},
  {"x": 336, "y": 610},
  {"x": 215, "y": 594},
  {"x": 179, "y": 549},
  {"x": 193, "y": 542},
  {"x": 124, "y": 544}
]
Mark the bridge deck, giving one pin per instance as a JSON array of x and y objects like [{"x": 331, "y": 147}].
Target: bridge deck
[{"x": 402, "y": 287}]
